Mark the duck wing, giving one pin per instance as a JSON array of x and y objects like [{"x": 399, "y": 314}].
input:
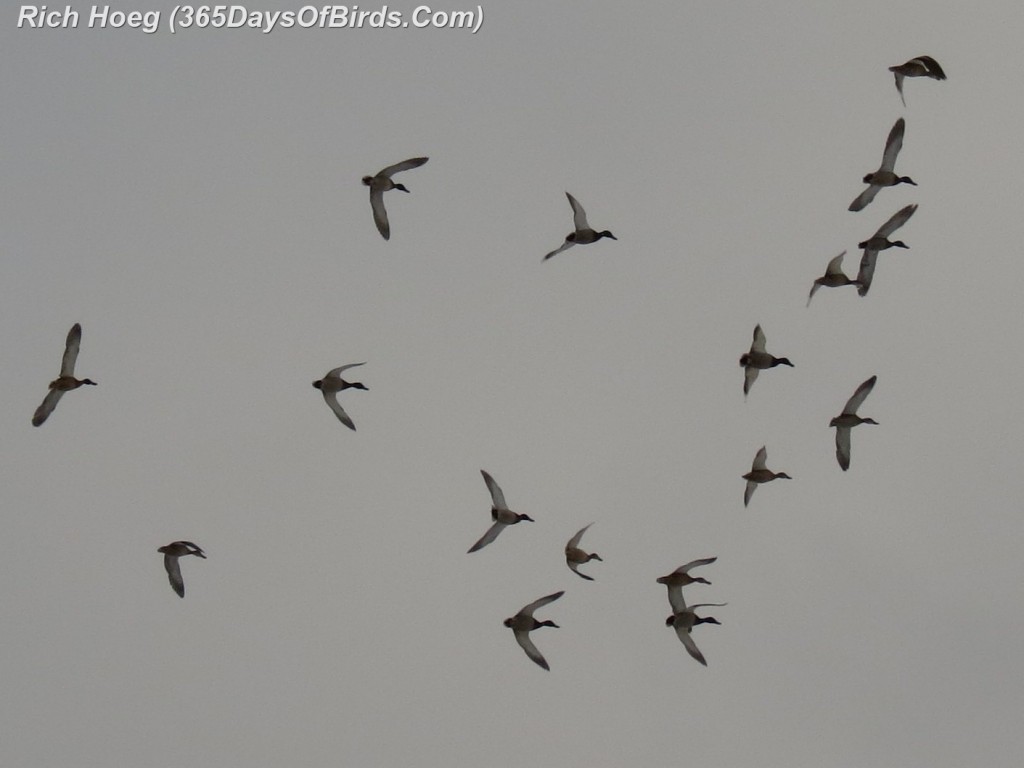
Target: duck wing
[
  {"x": 835, "y": 265},
  {"x": 760, "y": 459},
  {"x": 331, "y": 398},
  {"x": 67, "y": 364},
  {"x": 694, "y": 563},
  {"x": 523, "y": 638},
  {"x": 896, "y": 221},
  {"x": 174, "y": 574},
  {"x": 749, "y": 377},
  {"x": 527, "y": 610},
  {"x": 843, "y": 447},
  {"x": 859, "y": 395},
  {"x": 405, "y": 165},
  {"x": 563, "y": 247},
  {"x": 335, "y": 372},
  {"x": 575, "y": 540},
  {"x": 487, "y": 538},
  {"x": 893, "y": 145},
  {"x": 899, "y": 86},
  {"x": 867, "y": 271},
  {"x": 687, "y": 640},
  {"x": 932, "y": 67},
  {"x": 574, "y": 567},
  {"x": 46, "y": 407},
  {"x": 759, "y": 340},
  {"x": 749, "y": 491},
  {"x": 497, "y": 497},
  {"x": 865, "y": 197},
  {"x": 380, "y": 213},
  {"x": 676, "y": 599},
  {"x": 579, "y": 216}
]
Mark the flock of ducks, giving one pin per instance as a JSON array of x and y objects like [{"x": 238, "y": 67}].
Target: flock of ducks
[{"x": 684, "y": 617}]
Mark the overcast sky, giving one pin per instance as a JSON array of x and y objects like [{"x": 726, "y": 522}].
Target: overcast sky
[{"x": 194, "y": 201}]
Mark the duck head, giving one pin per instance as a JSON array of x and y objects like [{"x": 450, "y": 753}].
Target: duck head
[{"x": 782, "y": 361}]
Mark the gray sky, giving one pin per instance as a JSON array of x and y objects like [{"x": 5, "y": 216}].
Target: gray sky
[{"x": 194, "y": 201}]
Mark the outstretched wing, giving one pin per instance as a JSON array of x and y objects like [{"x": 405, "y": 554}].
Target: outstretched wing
[
  {"x": 523, "y": 638},
  {"x": 859, "y": 395},
  {"x": 331, "y": 398},
  {"x": 758, "y": 343},
  {"x": 46, "y": 407},
  {"x": 865, "y": 197},
  {"x": 835, "y": 265},
  {"x": 899, "y": 86},
  {"x": 866, "y": 272},
  {"x": 896, "y": 221},
  {"x": 760, "y": 459},
  {"x": 497, "y": 497},
  {"x": 174, "y": 574},
  {"x": 487, "y": 538},
  {"x": 575, "y": 540},
  {"x": 893, "y": 145},
  {"x": 843, "y": 447},
  {"x": 405, "y": 165},
  {"x": 563, "y": 247},
  {"x": 380, "y": 213},
  {"x": 528, "y": 610},
  {"x": 687, "y": 640},
  {"x": 579, "y": 216},
  {"x": 67, "y": 365},
  {"x": 341, "y": 368}
]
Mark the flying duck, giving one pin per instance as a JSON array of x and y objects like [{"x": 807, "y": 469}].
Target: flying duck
[
  {"x": 757, "y": 359},
  {"x": 66, "y": 381},
  {"x": 680, "y": 577},
  {"x": 582, "y": 233},
  {"x": 575, "y": 557},
  {"x": 879, "y": 242},
  {"x": 500, "y": 514},
  {"x": 849, "y": 419},
  {"x": 759, "y": 473},
  {"x": 380, "y": 184},
  {"x": 172, "y": 552},
  {"x": 523, "y": 623},
  {"x": 884, "y": 176},
  {"x": 834, "y": 277},
  {"x": 922, "y": 66},
  {"x": 684, "y": 619},
  {"x": 331, "y": 384}
]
